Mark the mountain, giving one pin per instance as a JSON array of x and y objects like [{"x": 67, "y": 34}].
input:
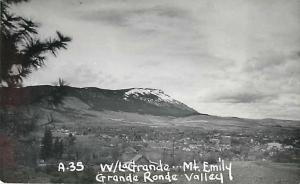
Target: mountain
[
  {"x": 138, "y": 100},
  {"x": 95, "y": 107}
]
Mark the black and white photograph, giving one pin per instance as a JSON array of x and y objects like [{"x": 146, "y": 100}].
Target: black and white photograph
[{"x": 150, "y": 91}]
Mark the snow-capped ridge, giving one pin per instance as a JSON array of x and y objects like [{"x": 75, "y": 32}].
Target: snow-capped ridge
[{"x": 144, "y": 93}]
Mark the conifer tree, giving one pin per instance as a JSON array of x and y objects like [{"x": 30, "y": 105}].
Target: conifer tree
[
  {"x": 56, "y": 148},
  {"x": 21, "y": 48},
  {"x": 46, "y": 147},
  {"x": 61, "y": 149}
]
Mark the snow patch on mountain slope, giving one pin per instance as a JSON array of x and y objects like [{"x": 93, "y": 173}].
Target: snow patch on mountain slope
[{"x": 145, "y": 95}]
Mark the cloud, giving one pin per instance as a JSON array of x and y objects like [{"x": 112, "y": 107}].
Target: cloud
[
  {"x": 272, "y": 61},
  {"x": 242, "y": 98},
  {"x": 122, "y": 17}
]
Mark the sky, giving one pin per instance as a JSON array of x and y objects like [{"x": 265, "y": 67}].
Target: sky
[{"x": 221, "y": 57}]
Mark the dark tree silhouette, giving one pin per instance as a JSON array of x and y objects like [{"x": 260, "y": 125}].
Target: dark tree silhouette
[
  {"x": 47, "y": 145},
  {"x": 21, "y": 48},
  {"x": 58, "y": 94},
  {"x": 61, "y": 148},
  {"x": 57, "y": 148}
]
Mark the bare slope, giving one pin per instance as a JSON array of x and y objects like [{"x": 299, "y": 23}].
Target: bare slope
[{"x": 139, "y": 100}]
